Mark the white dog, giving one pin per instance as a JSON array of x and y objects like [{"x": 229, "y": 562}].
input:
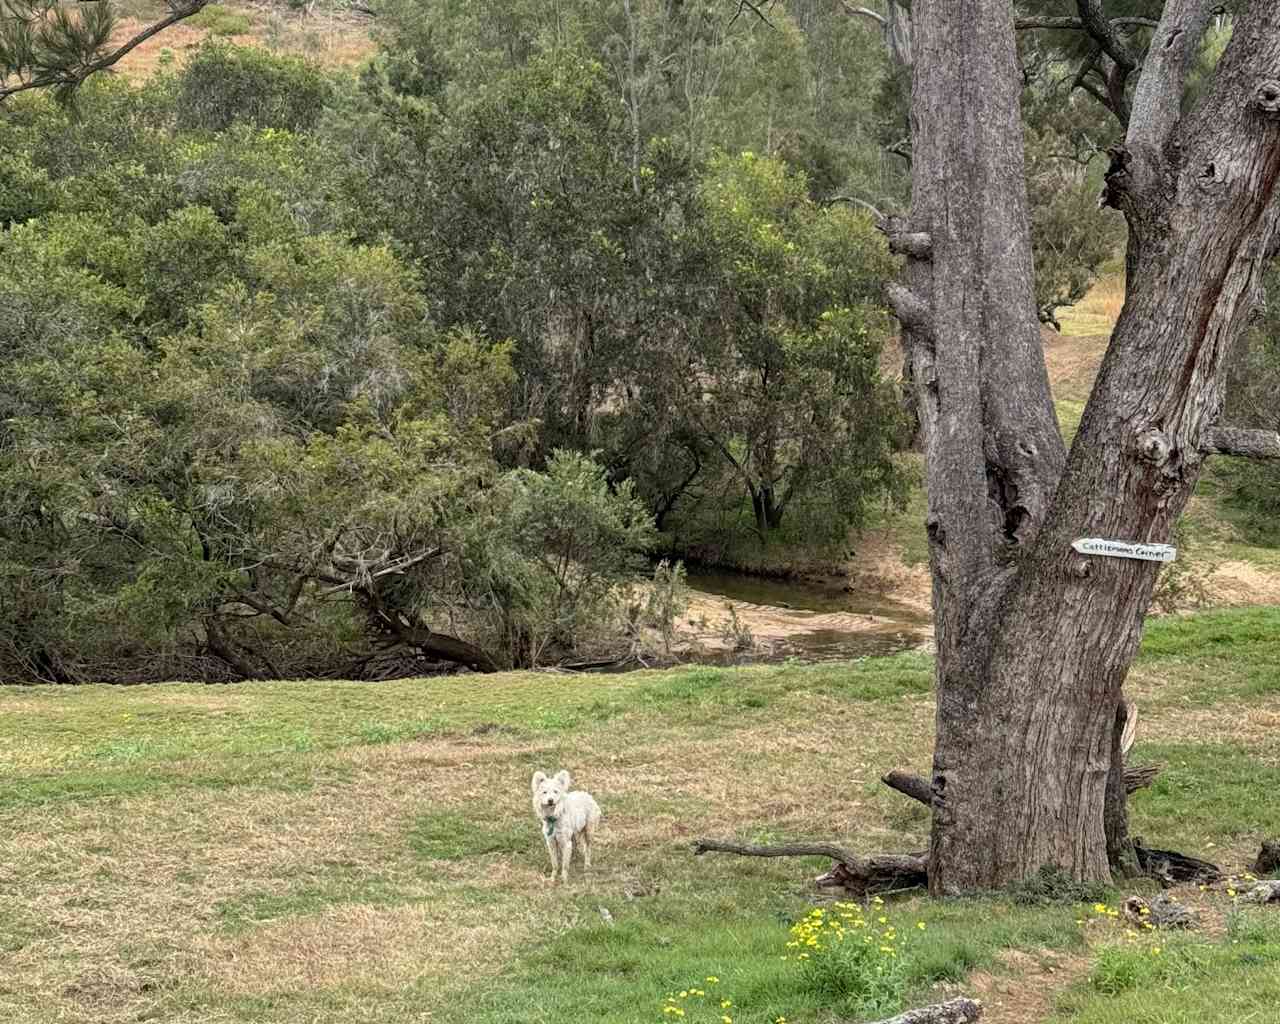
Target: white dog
[{"x": 565, "y": 817}]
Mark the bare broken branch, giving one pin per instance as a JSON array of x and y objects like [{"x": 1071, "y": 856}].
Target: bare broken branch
[
  {"x": 864, "y": 12},
  {"x": 754, "y": 8},
  {"x": 909, "y": 785},
  {"x": 858, "y": 875},
  {"x": 911, "y": 310},
  {"x": 1242, "y": 441},
  {"x": 917, "y": 245},
  {"x": 836, "y": 853},
  {"x": 874, "y": 211}
]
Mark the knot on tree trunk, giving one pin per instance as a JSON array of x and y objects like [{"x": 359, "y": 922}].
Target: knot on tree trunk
[
  {"x": 1117, "y": 178},
  {"x": 1266, "y": 98},
  {"x": 1155, "y": 447}
]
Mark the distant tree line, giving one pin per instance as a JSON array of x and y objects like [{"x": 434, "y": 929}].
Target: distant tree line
[{"x": 312, "y": 373}]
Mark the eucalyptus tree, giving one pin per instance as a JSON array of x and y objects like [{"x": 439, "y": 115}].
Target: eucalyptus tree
[{"x": 1035, "y": 639}]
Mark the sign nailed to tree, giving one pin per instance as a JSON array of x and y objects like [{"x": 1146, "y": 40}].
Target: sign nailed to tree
[{"x": 1123, "y": 549}]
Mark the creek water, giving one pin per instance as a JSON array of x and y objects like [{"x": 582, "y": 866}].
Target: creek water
[{"x": 813, "y": 621}]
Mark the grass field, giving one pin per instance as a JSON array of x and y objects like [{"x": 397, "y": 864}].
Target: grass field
[{"x": 329, "y": 852}]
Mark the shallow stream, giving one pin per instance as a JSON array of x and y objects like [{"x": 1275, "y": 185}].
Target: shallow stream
[{"x": 812, "y": 621}]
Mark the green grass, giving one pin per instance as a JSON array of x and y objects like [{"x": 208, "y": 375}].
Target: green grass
[
  {"x": 623, "y": 972},
  {"x": 1213, "y": 654},
  {"x": 1207, "y": 794},
  {"x": 308, "y": 893},
  {"x": 324, "y": 852},
  {"x": 1070, "y": 413},
  {"x": 450, "y": 835},
  {"x": 1189, "y": 981}
]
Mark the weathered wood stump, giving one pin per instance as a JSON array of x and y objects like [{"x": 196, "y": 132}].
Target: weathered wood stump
[{"x": 1268, "y": 862}]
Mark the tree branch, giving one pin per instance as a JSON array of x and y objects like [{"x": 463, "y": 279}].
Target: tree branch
[
  {"x": 910, "y": 785},
  {"x": 748, "y": 5},
  {"x": 1093, "y": 21},
  {"x": 859, "y": 875},
  {"x": 911, "y": 310},
  {"x": 836, "y": 853},
  {"x": 865, "y": 12},
  {"x": 1076, "y": 25},
  {"x": 917, "y": 245},
  {"x": 70, "y": 78},
  {"x": 1157, "y": 101},
  {"x": 1135, "y": 778},
  {"x": 873, "y": 210},
  {"x": 1243, "y": 442}
]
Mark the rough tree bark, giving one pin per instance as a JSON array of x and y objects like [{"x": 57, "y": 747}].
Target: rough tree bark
[{"x": 1034, "y": 641}]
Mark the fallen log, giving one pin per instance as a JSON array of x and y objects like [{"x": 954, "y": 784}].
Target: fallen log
[
  {"x": 857, "y": 875},
  {"x": 954, "y": 1011},
  {"x": 1169, "y": 867},
  {"x": 1268, "y": 862}
]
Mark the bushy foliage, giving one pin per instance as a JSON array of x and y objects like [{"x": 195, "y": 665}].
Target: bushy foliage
[
  {"x": 234, "y": 444},
  {"x": 222, "y": 85}
]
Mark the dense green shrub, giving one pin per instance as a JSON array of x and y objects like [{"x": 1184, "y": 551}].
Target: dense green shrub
[{"x": 222, "y": 85}]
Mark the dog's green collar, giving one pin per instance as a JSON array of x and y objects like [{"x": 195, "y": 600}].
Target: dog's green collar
[{"x": 550, "y": 826}]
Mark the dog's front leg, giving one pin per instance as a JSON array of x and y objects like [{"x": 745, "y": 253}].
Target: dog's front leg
[
  {"x": 566, "y": 853},
  {"x": 553, "y": 852}
]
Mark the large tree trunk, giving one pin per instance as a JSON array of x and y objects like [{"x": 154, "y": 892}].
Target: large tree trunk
[{"x": 1034, "y": 640}]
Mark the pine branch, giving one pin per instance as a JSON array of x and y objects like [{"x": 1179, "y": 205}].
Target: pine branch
[{"x": 66, "y": 62}]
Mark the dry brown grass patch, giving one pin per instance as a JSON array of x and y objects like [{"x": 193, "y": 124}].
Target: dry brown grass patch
[
  {"x": 1023, "y": 988},
  {"x": 372, "y": 946},
  {"x": 1255, "y": 724},
  {"x": 333, "y": 39}
]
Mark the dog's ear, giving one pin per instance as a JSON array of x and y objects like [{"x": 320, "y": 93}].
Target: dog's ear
[
  {"x": 563, "y": 780},
  {"x": 538, "y": 779}
]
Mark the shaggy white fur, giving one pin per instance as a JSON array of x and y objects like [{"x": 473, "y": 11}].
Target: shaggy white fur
[{"x": 566, "y": 818}]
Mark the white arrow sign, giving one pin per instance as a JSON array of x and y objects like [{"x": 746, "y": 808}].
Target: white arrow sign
[{"x": 1123, "y": 549}]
